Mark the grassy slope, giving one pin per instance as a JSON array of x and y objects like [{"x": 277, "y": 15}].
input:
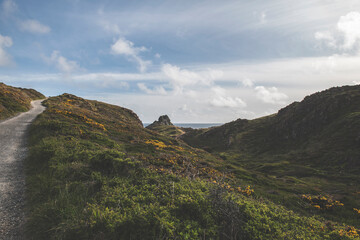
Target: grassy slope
[
  {"x": 310, "y": 147},
  {"x": 14, "y": 100},
  {"x": 168, "y": 130},
  {"x": 95, "y": 173}
]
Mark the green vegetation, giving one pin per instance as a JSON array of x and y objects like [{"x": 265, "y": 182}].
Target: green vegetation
[
  {"x": 165, "y": 127},
  {"x": 14, "y": 100},
  {"x": 308, "y": 148},
  {"x": 94, "y": 172},
  {"x": 168, "y": 130}
]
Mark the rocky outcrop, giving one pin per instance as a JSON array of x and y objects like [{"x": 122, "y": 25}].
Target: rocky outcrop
[{"x": 163, "y": 121}]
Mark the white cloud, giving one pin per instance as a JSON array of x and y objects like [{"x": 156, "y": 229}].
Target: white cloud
[
  {"x": 191, "y": 94},
  {"x": 356, "y": 82},
  {"x": 349, "y": 25},
  {"x": 30, "y": 25},
  {"x": 180, "y": 78},
  {"x": 247, "y": 82},
  {"x": 9, "y": 6},
  {"x": 126, "y": 48},
  {"x": 34, "y": 26},
  {"x": 304, "y": 75},
  {"x": 5, "y": 42},
  {"x": 219, "y": 91},
  {"x": 184, "y": 108},
  {"x": 184, "y": 111},
  {"x": 158, "y": 90},
  {"x": 221, "y": 100},
  {"x": 328, "y": 64},
  {"x": 120, "y": 76},
  {"x": 63, "y": 64},
  {"x": 109, "y": 83},
  {"x": 110, "y": 27},
  {"x": 345, "y": 36},
  {"x": 143, "y": 64},
  {"x": 327, "y": 37},
  {"x": 270, "y": 95}
]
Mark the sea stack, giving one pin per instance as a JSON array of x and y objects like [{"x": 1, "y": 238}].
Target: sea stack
[{"x": 163, "y": 120}]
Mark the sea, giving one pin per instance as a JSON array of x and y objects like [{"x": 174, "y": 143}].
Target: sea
[{"x": 192, "y": 125}]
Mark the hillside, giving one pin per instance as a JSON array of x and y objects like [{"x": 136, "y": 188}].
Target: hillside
[
  {"x": 14, "y": 100},
  {"x": 164, "y": 126},
  {"x": 94, "y": 172},
  {"x": 312, "y": 146},
  {"x": 292, "y": 125}
]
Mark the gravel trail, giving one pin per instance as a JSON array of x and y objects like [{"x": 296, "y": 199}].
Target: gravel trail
[{"x": 12, "y": 178}]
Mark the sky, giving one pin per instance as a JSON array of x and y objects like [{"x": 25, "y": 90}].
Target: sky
[{"x": 196, "y": 61}]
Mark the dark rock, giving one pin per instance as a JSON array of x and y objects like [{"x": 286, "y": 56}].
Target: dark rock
[{"x": 163, "y": 121}]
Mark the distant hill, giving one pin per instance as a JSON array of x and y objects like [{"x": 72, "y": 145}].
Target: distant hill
[
  {"x": 308, "y": 146},
  {"x": 325, "y": 126},
  {"x": 14, "y": 100}
]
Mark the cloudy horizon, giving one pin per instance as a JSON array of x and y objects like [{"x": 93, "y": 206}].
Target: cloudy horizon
[{"x": 203, "y": 61}]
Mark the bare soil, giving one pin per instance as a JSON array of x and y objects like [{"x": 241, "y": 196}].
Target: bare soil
[{"x": 12, "y": 178}]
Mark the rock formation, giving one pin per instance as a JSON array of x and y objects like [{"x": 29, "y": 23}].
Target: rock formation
[{"x": 163, "y": 121}]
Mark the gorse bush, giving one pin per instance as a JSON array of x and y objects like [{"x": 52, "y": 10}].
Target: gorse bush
[
  {"x": 125, "y": 182},
  {"x": 309, "y": 148},
  {"x": 14, "y": 100}
]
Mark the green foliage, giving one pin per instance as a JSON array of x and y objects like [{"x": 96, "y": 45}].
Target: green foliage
[
  {"x": 94, "y": 172},
  {"x": 14, "y": 100},
  {"x": 308, "y": 147},
  {"x": 168, "y": 130}
]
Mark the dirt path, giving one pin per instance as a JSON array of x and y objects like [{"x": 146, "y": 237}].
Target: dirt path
[{"x": 12, "y": 179}]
